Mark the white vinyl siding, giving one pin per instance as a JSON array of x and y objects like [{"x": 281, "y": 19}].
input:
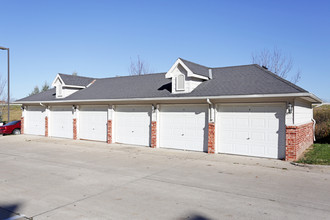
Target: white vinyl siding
[
  {"x": 252, "y": 129},
  {"x": 93, "y": 122},
  {"x": 61, "y": 122},
  {"x": 132, "y": 125},
  {"x": 303, "y": 112},
  {"x": 34, "y": 121},
  {"x": 183, "y": 127}
]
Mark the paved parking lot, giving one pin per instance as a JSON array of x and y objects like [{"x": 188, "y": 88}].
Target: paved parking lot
[{"x": 48, "y": 178}]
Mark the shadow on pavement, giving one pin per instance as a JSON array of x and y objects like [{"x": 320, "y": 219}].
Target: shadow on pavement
[
  {"x": 196, "y": 217},
  {"x": 7, "y": 211}
]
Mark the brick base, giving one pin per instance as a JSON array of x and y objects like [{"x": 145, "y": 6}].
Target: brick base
[
  {"x": 211, "y": 141},
  {"x": 109, "y": 140},
  {"x": 22, "y": 125},
  {"x": 46, "y": 126},
  {"x": 298, "y": 139},
  {"x": 154, "y": 134},
  {"x": 74, "y": 129}
]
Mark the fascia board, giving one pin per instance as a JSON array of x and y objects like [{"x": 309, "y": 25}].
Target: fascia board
[{"x": 316, "y": 99}]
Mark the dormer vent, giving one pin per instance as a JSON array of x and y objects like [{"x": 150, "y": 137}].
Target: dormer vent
[{"x": 180, "y": 82}]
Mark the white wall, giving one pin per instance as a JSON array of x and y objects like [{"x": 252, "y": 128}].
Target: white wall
[
  {"x": 68, "y": 91},
  {"x": 303, "y": 112}
]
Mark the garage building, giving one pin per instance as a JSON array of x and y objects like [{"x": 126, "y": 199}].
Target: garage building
[{"x": 243, "y": 110}]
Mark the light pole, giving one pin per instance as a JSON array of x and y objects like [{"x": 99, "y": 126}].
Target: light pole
[{"x": 4, "y": 48}]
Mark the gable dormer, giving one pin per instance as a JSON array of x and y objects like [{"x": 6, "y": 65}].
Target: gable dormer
[
  {"x": 186, "y": 76},
  {"x": 68, "y": 84}
]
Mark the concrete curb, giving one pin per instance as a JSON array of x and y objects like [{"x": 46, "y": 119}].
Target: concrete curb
[{"x": 309, "y": 165}]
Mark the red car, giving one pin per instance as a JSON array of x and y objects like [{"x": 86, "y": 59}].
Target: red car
[{"x": 13, "y": 127}]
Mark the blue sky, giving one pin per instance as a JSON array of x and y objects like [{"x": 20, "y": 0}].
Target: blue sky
[{"x": 98, "y": 38}]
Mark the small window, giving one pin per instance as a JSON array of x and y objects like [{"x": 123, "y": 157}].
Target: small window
[
  {"x": 59, "y": 91},
  {"x": 180, "y": 82}
]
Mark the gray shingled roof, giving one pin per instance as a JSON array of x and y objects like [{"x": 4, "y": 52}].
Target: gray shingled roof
[
  {"x": 75, "y": 80},
  {"x": 235, "y": 80},
  {"x": 196, "y": 68}
]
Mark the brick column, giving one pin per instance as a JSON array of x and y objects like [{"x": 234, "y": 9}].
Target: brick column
[
  {"x": 22, "y": 125},
  {"x": 154, "y": 134},
  {"x": 298, "y": 139},
  {"x": 211, "y": 141},
  {"x": 109, "y": 141},
  {"x": 74, "y": 129},
  {"x": 46, "y": 126}
]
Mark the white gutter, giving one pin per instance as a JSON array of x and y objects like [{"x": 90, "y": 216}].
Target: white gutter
[
  {"x": 186, "y": 98},
  {"x": 211, "y": 110}
]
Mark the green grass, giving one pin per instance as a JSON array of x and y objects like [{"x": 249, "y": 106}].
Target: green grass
[
  {"x": 317, "y": 154},
  {"x": 15, "y": 113}
]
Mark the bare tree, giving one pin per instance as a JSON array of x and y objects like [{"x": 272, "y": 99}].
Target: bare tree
[
  {"x": 277, "y": 62},
  {"x": 139, "y": 67},
  {"x": 74, "y": 73}
]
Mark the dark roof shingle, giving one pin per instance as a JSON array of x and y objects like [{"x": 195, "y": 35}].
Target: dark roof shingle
[
  {"x": 235, "y": 80},
  {"x": 75, "y": 80}
]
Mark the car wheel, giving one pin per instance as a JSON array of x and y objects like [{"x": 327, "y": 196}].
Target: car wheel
[{"x": 16, "y": 131}]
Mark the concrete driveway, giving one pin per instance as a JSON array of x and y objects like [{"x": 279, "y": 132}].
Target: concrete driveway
[{"x": 48, "y": 178}]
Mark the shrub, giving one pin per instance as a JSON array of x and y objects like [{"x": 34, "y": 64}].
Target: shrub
[{"x": 322, "y": 128}]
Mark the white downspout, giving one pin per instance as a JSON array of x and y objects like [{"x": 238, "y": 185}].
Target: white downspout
[
  {"x": 314, "y": 123},
  {"x": 211, "y": 109}
]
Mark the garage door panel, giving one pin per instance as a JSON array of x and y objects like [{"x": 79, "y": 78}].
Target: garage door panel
[
  {"x": 183, "y": 127},
  {"x": 258, "y": 136},
  {"x": 93, "y": 122},
  {"x": 35, "y": 120},
  {"x": 258, "y": 130},
  {"x": 133, "y": 125},
  {"x": 243, "y": 148},
  {"x": 61, "y": 122}
]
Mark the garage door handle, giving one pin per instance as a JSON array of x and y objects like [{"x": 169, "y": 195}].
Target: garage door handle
[
  {"x": 182, "y": 134},
  {"x": 132, "y": 131},
  {"x": 247, "y": 138}
]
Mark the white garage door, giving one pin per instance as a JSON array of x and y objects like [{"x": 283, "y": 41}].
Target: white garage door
[
  {"x": 132, "y": 125},
  {"x": 34, "y": 121},
  {"x": 93, "y": 122},
  {"x": 184, "y": 127},
  {"x": 254, "y": 130},
  {"x": 61, "y": 123}
]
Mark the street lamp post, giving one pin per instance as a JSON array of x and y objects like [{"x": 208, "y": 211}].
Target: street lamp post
[{"x": 8, "y": 100}]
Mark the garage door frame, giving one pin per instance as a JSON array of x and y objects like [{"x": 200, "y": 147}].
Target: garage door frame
[
  {"x": 218, "y": 124},
  {"x": 115, "y": 122},
  {"x": 83, "y": 108},
  {"x": 27, "y": 120},
  {"x": 51, "y": 121},
  {"x": 206, "y": 120}
]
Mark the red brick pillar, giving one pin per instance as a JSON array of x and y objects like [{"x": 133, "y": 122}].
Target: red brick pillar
[
  {"x": 298, "y": 139},
  {"x": 74, "y": 129},
  {"x": 46, "y": 126},
  {"x": 153, "y": 134},
  {"x": 211, "y": 141},
  {"x": 109, "y": 132},
  {"x": 22, "y": 125},
  {"x": 290, "y": 148}
]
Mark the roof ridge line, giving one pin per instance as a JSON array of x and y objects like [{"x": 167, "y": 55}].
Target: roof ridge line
[
  {"x": 233, "y": 66},
  {"x": 76, "y": 76},
  {"x": 195, "y": 63},
  {"x": 281, "y": 79},
  {"x": 114, "y": 77}
]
